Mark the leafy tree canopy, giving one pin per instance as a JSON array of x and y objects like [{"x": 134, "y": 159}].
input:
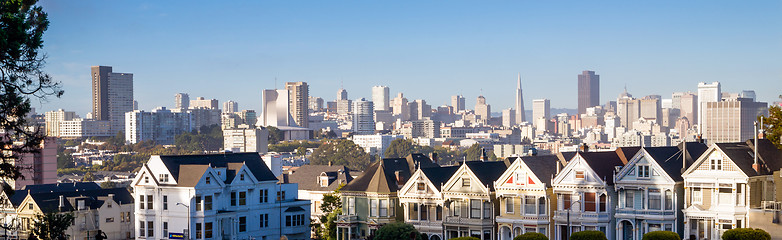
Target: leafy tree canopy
[
  {"x": 52, "y": 225},
  {"x": 397, "y": 230},
  {"x": 773, "y": 125},
  {"x": 340, "y": 152}
]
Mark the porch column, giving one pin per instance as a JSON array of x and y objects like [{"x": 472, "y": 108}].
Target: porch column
[{"x": 350, "y": 231}]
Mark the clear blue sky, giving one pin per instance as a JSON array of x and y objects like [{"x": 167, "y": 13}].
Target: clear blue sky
[{"x": 427, "y": 49}]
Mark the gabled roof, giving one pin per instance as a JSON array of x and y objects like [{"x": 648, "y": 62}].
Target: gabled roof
[
  {"x": 50, "y": 201},
  {"x": 565, "y": 157},
  {"x": 20, "y": 194},
  {"x": 603, "y": 163},
  {"x": 769, "y": 153},
  {"x": 307, "y": 177},
  {"x": 186, "y": 168},
  {"x": 380, "y": 176},
  {"x": 670, "y": 158},
  {"x": 439, "y": 175},
  {"x": 543, "y": 166},
  {"x": 488, "y": 172},
  {"x": 627, "y": 153},
  {"x": 742, "y": 154}
]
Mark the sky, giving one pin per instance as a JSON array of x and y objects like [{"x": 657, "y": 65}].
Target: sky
[{"x": 232, "y": 50}]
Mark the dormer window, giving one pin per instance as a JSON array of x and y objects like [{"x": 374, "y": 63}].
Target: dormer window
[
  {"x": 580, "y": 175},
  {"x": 323, "y": 181},
  {"x": 146, "y": 179},
  {"x": 241, "y": 176},
  {"x": 208, "y": 180},
  {"x": 163, "y": 177},
  {"x": 421, "y": 187},
  {"x": 643, "y": 171},
  {"x": 716, "y": 164},
  {"x": 465, "y": 182}
]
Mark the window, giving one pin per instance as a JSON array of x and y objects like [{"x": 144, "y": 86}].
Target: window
[
  {"x": 412, "y": 212},
  {"x": 602, "y": 203},
  {"x": 668, "y": 200},
  {"x": 465, "y": 182},
  {"x": 509, "y": 205},
  {"x": 542, "y": 205},
  {"x": 383, "y": 207},
  {"x": 529, "y": 204},
  {"x": 241, "y": 176},
  {"x": 149, "y": 202},
  {"x": 198, "y": 203},
  {"x": 294, "y": 220},
  {"x": 740, "y": 198},
  {"x": 198, "y": 231},
  {"x": 208, "y": 230},
  {"x": 242, "y": 224},
  {"x": 323, "y": 181},
  {"x": 109, "y": 220},
  {"x": 264, "y": 220},
  {"x": 30, "y": 206},
  {"x": 697, "y": 195},
  {"x": 487, "y": 210},
  {"x": 141, "y": 229},
  {"x": 629, "y": 199},
  {"x": 165, "y": 229},
  {"x": 589, "y": 202},
  {"x": 716, "y": 164},
  {"x": 421, "y": 187},
  {"x": 208, "y": 202},
  {"x": 140, "y": 203},
  {"x": 165, "y": 202},
  {"x": 264, "y": 195},
  {"x": 580, "y": 175},
  {"x": 643, "y": 171},
  {"x": 150, "y": 229},
  {"x": 163, "y": 177},
  {"x": 566, "y": 201},
  {"x": 455, "y": 208},
  {"x": 725, "y": 196},
  {"x": 373, "y": 207},
  {"x": 439, "y": 213},
  {"x": 475, "y": 208},
  {"x": 654, "y": 199},
  {"x": 233, "y": 198},
  {"x": 280, "y": 195},
  {"x": 424, "y": 212},
  {"x": 242, "y": 198},
  {"x": 208, "y": 180},
  {"x": 352, "y": 206},
  {"x": 146, "y": 179}
]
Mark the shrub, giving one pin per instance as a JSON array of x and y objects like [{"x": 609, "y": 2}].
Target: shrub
[
  {"x": 746, "y": 233},
  {"x": 531, "y": 236},
  {"x": 661, "y": 235},
  {"x": 466, "y": 238},
  {"x": 588, "y": 235},
  {"x": 398, "y": 230}
]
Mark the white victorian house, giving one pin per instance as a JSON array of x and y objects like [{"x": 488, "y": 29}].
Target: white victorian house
[
  {"x": 585, "y": 194},
  {"x": 650, "y": 190},
  {"x": 423, "y": 201},
  {"x": 526, "y": 197},
  {"x": 216, "y": 196},
  {"x": 470, "y": 200}
]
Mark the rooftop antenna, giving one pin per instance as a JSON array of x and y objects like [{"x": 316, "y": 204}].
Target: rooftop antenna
[{"x": 275, "y": 82}]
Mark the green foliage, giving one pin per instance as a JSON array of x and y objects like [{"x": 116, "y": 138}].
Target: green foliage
[
  {"x": 661, "y": 235},
  {"x": 324, "y": 134},
  {"x": 52, "y": 225},
  {"x": 65, "y": 159},
  {"x": 340, "y": 152},
  {"x": 588, "y": 235},
  {"x": 745, "y": 234},
  {"x": 473, "y": 153},
  {"x": 331, "y": 202},
  {"x": 397, "y": 230},
  {"x": 531, "y": 236},
  {"x": 466, "y": 238},
  {"x": 773, "y": 125},
  {"x": 275, "y": 135},
  {"x": 88, "y": 177},
  {"x": 208, "y": 138},
  {"x": 329, "y": 229},
  {"x": 108, "y": 184},
  {"x": 293, "y": 146},
  {"x": 399, "y": 148}
]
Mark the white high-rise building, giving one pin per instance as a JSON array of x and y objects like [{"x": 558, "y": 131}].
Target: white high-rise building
[
  {"x": 375, "y": 144},
  {"x": 202, "y": 103},
  {"x": 230, "y": 107},
  {"x": 53, "y": 119},
  {"x": 342, "y": 94},
  {"x": 731, "y": 120},
  {"x": 707, "y": 92},
  {"x": 246, "y": 139},
  {"x": 541, "y": 108},
  {"x": 275, "y": 108},
  {"x": 182, "y": 101},
  {"x": 508, "y": 117},
  {"x": 380, "y": 97},
  {"x": 160, "y": 125},
  {"x": 519, "y": 118},
  {"x": 298, "y": 93},
  {"x": 363, "y": 117},
  {"x": 79, "y": 128},
  {"x": 401, "y": 109},
  {"x": 457, "y": 102}
]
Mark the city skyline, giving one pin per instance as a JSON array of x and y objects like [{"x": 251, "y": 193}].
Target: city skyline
[{"x": 515, "y": 43}]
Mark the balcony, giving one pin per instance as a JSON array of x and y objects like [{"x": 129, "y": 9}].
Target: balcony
[
  {"x": 468, "y": 221},
  {"x": 647, "y": 212},
  {"x": 771, "y": 206},
  {"x": 561, "y": 215},
  {"x": 347, "y": 219}
]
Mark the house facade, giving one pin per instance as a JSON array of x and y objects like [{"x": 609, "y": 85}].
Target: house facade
[
  {"x": 216, "y": 196},
  {"x": 422, "y": 200},
  {"x": 470, "y": 200},
  {"x": 526, "y": 197}
]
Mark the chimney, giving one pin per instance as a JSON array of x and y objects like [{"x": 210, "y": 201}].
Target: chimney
[
  {"x": 755, "y": 165},
  {"x": 329, "y": 163},
  {"x": 762, "y": 133},
  {"x": 62, "y": 202},
  {"x": 111, "y": 196},
  {"x": 433, "y": 156},
  {"x": 400, "y": 180}
]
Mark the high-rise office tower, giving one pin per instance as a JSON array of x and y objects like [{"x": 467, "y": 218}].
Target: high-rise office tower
[
  {"x": 650, "y": 108},
  {"x": 707, "y": 92},
  {"x": 508, "y": 117},
  {"x": 380, "y": 98},
  {"x": 520, "y": 118},
  {"x": 275, "y": 108},
  {"x": 419, "y": 110},
  {"x": 588, "y": 90},
  {"x": 299, "y": 93},
  {"x": 541, "y": 108},
  {"x": 182, "y": 101},
  {"x": 342, "y": 94},
  {"x": 363, "y": 117},
  {"x": 401, "y": 108},
  {"x": 112, "y": 96},
  {"x": 457, "y": 101},
  {"x": 676, "y": 100},
  {"x": 230, "y": 107},
  {"x": 748, "y": 94},
  {"x": 316, "y": 104},
  {"x": 731, "y": 120},
  {"x": 482, "y": 109},
  {"x": 689, "y": 107},
  {"x": 628, "y": 109}
]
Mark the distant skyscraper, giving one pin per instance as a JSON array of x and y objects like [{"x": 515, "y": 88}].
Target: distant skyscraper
[
  {"x": 482, "y": 109},
  {"x": 316, "y": 104},
  {"x": 689, "y": 107},
  {"x": 748, "y": 94},
  {"x": 230, "y": 107},
  {"x": 342, "y": 94},
  {"x": 520, "y": 118},
  {"x": 299, "y": 107},
  {"x": 275, "y": 108},
  {"x": 707, "y": 92},
  {"x": 182, "y": 101},
  {"x": 380, "y": 98},
  {"x": 363, "y": 117},
  {"x": 731, "y": 120},
  {"x": 588, "y": 91},
  {"x": 457, "y": 102},
  {"x": 401, "y": 108},
  {"x": 112, "y": 96},
  {"x": 419, "y": 110},
  {"x": 508, "y": 117},
  {"x": 650, "y": 108},
  {"x": 53, "y": 119},
  {"x": 202, "y": 103},
  {"x": 541, "y": 108}
]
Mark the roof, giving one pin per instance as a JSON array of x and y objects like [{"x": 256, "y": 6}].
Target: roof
[
  {"x": 670, "y": 158},
  {"x": 307, "y": 177},
  {"x": 627, "y": 153},
  {"x": 50, "y": 201},
  {"x": 742, "y": 154},
  {"x": 543, "y": 166},
  {"x": 20, "y": 194},
  {"x": 487, "y": 172},
  {"x": 381, "y": 177},
  {"x": 603, "y": 163},
  {"x": 565, "y": 157},
  {"x": 186, "y": 168},
  {"x": 769, "y": 153},
  {"x": 439, "y": 175}
]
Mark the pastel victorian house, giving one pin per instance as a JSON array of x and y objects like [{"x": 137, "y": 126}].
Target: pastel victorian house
[
  {"x": 526, "y": 197},
  {"x": 651, "y": 190},
  {"x": 470, "y": 200},
  {"x": 585, "y": 194},
  {"x": 423, "y": 202}
]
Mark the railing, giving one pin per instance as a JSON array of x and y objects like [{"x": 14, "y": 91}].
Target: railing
[
  {"x": 771, "y": 205},
  {"x": 471, "y": 221},
  {"x": 347, "y": 218},
  {"x": 583, "y": 216},
  {"x": 645, "y": 212}
]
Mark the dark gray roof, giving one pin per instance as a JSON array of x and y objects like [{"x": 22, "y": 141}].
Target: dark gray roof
[
  {"x": 188, "y": 167},
  {"x": 543, "y": 166},
  {"x": 603, "y": 163},
  {"x": 488, "y": 172},
  {"x": 742, "y": 154},
  {"x": 307, "y": 177},
  {"x": 50, "y": 201},
  {"x": 627, "y": 153},
  {"x": 20, "y": 194},
  {"x": 439, "y": 175},
  {"x": 565, "y": 157},
  {"x": 768, "y": 153},
  {"x": 670, "y": 158}
]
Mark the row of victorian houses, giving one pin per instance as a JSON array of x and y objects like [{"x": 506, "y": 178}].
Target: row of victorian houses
[{"x": 695, "y": 190}]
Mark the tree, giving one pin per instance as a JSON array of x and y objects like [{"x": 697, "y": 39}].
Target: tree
[
  {"x": 22, "y": 25},
  {"x": 773, "y": 125},
  {"x": 52, "y": 225},
  {"x": 340, "y": 152},
  {"x": 661, "y": 235},
  {"x": 108, "y": 184},
  {"x": 588, "y": 235},
  {"x": 301, "y": 151},
  {"x": 275, "y": 135},
  {"x": 473, "y": 153},
  {"x": 88, "y": 177},
  {"x": 397, "y": 231},
  {"x": 746, "y": 233},
  {"x": 531, "y": 236},
  {"x": 399, "y": 148}
]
